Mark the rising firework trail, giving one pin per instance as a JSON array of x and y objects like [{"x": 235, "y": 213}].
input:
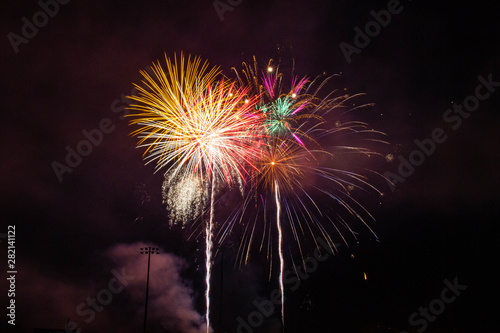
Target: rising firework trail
[
  {"x": 208, "y": 253},
  {"x": 280, "y": 250}
]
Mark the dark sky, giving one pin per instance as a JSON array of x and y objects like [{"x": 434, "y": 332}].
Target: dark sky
[{"x": 74, "y": 234}]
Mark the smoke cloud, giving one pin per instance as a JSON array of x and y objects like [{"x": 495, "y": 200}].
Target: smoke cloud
[
  {"x": 111, "y": 297},
  {"x": 170, "y": 301}
]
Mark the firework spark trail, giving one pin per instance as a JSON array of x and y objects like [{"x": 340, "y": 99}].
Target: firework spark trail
[
  {"x": 208, "y": 253},
  {"x": 280, "y": 251}
]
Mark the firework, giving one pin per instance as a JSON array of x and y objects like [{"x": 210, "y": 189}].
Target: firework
[
  {"x": 190, "y": 124},
  {"x": 275, "y": 139},
  {"x": 200, "y": 131},
  {"x": 295, "y": 167}
]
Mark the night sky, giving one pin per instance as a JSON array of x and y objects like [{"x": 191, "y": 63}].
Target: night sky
[{"x": 77, "y": 231}]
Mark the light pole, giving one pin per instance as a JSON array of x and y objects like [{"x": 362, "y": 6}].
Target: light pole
[{"x": 149, "y": 251}]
